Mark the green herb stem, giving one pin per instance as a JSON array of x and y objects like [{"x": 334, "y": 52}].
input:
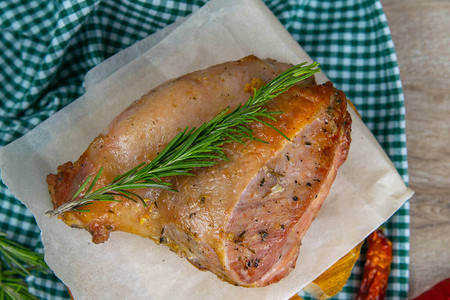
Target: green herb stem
[{"x": 15, "y": 264}]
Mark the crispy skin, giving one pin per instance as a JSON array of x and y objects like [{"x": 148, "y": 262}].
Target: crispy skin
[{"x": 243, "y": 219}]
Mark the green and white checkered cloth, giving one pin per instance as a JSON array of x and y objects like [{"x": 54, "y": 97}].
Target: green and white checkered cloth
[{"x": 48, "y": 46}]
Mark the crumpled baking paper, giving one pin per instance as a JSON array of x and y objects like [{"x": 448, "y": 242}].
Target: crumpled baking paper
[{"x": 366, "y": 192}]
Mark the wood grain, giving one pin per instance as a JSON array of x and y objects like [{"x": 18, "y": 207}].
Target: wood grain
[{"x": 421, "y": 33}]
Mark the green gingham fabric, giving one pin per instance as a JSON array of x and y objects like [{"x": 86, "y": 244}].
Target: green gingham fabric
[{"x": 48, "y": 46}]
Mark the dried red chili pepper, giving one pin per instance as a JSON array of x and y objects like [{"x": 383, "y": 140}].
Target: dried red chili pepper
[{"x": 376, "y": 268}]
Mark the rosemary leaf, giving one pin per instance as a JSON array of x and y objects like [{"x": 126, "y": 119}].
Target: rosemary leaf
[{"x": 15, "y": 264}]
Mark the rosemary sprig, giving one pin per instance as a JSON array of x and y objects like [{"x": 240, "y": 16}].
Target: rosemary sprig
[
  {"x": 16, "y": 263},
  {"x": 192, "y": 148}
]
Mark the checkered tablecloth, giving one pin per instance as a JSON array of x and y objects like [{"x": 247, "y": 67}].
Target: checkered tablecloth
[{"x": 46, "y": 48}]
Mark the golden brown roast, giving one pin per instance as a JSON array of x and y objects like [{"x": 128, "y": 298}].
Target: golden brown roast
[{"x": 242, "y": 219}]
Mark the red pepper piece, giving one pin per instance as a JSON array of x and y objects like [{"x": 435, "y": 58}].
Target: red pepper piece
[
  {"x": 376, "y": 268},
  {"x": 440, "y": 291}
]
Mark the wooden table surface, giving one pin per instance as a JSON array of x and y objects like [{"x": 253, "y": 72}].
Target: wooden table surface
[{"x": 421, "y": 33}]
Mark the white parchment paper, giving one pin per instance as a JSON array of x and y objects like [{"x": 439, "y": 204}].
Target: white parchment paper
[{"x": 367, "y": 190}]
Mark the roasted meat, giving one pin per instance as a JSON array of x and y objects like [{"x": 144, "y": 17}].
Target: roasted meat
[{"x": 242, "y": 219}]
